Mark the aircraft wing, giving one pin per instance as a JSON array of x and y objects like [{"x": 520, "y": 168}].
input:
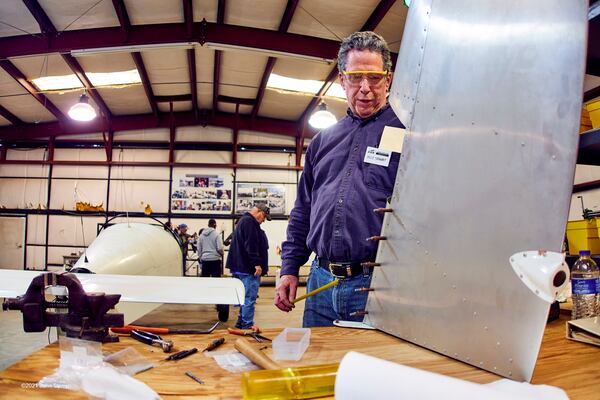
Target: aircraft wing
[{"x": 142, "y": 289}]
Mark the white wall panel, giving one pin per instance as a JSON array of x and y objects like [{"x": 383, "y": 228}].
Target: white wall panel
[
  {"x": 30, "y": 155},
  {"x": 275, "y": 231},
  {"x": 98, "y": 154},
  {"x": 291, "y": 191},
  {"x": 35, "y": 257},
  {"x": 25, "y": 171},
  {"x": 204, "y": 134},
  {"x": 264, "y": 158},
  {"x": 223, "y": 172},
  {"x": 134, "y": 195},
  {"x": 36, "y": 229},
  {"x": 143, "y": 134},
  {"x": 586, "y": 173},
  {"x": 85, "y": 136},
  {"x": 66, "y": 230},
  {"x": 23, "y": 193},
  {"x": 79, "y": 171},
  {"x": 266, "y": 175},
  {"x": 265, "y": 138},
  {"x": 66, "y": 192},
  {"x": 141, "y": 155},
  {"x": 203, "y": 156},
  {"x": 126, "y": 172},
  {"x": 55, "y": 254}
]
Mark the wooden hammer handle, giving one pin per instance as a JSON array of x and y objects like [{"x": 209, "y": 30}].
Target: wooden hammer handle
[{"x": 256, "y": 356}]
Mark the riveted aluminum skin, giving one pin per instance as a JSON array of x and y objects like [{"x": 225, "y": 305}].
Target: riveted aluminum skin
[{"x": 490, "y": 92}]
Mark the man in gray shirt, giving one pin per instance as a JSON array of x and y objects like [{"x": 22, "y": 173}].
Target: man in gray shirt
[{"x": 210, "y": 251}]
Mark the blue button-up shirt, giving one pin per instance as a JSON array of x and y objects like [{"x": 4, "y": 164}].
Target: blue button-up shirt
[{"x": 333, "y": 214}]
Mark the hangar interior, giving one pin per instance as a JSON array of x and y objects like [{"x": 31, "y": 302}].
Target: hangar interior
[{"x": 203, "y": 110}]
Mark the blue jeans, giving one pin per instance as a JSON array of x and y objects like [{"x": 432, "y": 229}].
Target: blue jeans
[
  {"x": 334, "y": 303},
  {"x": 251, "y": 283}
]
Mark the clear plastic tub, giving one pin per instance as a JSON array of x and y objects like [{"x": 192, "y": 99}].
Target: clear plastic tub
[{"x": 291, "y": 344}]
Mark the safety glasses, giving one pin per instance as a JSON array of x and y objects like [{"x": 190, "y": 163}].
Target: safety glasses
[{"x": 373, "y": 77}]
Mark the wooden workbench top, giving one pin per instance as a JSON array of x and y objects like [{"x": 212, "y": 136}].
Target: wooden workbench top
[{"x": 561, "y": 363}]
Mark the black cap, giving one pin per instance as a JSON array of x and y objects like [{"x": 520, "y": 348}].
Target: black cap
[{"x": 266, "y": 210}]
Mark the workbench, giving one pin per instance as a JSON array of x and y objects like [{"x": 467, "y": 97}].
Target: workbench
[{"x": 573, "y": 366}]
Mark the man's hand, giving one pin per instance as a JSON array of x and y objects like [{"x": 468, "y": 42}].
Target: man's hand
[
  {"x": 258, "y": 271},
  {"x": 285, "y": 292}
]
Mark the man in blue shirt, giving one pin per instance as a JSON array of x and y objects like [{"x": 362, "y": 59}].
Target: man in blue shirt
[
  {"x": 247, "y": 259},
  {"x": 339, "y": 188}
]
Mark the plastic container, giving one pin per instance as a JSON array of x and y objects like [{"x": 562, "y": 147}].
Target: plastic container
[
  {"x": 584, "y": 279},
  {"x": 291, "y": 344},
  {"x": 584, "y": 235}
]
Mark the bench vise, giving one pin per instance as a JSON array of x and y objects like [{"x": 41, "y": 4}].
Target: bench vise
[{"x": 86, "y": 316}]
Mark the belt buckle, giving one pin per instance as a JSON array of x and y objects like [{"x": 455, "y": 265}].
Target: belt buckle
[{"x": 348, "y": 269}]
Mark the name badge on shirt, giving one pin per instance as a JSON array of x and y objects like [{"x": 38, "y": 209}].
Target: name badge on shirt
[{"x": 378, "y": 156}]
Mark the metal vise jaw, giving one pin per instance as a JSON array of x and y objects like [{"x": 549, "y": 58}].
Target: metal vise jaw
[{"x": 86, "y": 317}]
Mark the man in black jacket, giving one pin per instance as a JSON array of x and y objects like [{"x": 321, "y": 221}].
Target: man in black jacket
[{"x": 246, "y": 259}]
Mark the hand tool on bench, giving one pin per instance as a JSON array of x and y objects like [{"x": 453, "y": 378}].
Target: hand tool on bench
[
  {"x": 181, "y": 354},
  {"x": 164, "y": 331},
  {"x": 253, "y": 332},
  {"x": 151, "y": 338},
  {"x": 255, "y": 355},
  {"x": 214, "y": 344}
]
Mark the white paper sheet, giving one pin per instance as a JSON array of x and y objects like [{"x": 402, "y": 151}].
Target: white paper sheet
[{"x": 365, "y": 377}]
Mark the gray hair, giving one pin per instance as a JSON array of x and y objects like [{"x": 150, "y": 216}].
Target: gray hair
[{"x": 366, "y": 40}]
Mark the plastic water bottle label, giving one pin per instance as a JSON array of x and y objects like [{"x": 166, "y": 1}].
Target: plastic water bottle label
[{"x": 584, "y": 286}]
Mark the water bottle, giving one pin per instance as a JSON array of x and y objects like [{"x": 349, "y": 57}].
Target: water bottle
[{"x": 584, "y": 278}]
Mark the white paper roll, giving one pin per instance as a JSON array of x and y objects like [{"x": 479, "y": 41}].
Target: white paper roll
[{"x": 364, "y": 377}]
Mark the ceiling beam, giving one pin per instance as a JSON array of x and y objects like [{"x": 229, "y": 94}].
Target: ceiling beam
[
  {"x": 374, "y": 19},
  {"x": 217, "y": 62},
  {"x": 47, "y": 27},
  {"x": 188, "y": 17},
  {"x": 139, "y": 64},
  {"x": 148, "y": 121},
  {"x": 283, "y": 27},
  {"x": 173, "y": 98},
  {"x": 13, "y": 71},
  {"x": 125, "y": 22},
  {"x": 12, "y": 118},
  {"x": 236, "y": 100},
  {"x": 216, "y": 78},
  {"x": 191, "y": 56},
  {"x": 121, "y": 10},
  {"x": 220, "y": 34}
]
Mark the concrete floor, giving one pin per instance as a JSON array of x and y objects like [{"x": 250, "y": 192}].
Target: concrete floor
[{"x": 15, "y": 344}]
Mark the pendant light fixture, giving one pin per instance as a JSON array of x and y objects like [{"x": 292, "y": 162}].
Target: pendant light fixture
[
  {"x": 322, "y": 118},
  {"x": 82, "y": 111}
]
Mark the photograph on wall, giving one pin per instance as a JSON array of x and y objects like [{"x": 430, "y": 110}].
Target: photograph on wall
[
  {"x": 253, "y": 194},
  {"x": 201, "y": 194}
]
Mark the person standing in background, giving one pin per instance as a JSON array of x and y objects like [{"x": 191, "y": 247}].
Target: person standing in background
[
  {"x": 210, "y": 250},
  {"x": 246, "y": 259}
]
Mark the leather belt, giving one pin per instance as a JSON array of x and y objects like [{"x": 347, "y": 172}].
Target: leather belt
[{"x": 344, "y": 269}]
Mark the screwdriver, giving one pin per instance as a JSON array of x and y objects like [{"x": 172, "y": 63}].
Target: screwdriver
[
  {"x": 214, "y": 344},
  {"x": 181, "y": 354}
]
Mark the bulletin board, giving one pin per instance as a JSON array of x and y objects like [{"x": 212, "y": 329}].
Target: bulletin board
[
  {"x": 202, "y": 193},
  {"x": 249, "y": 195}
]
